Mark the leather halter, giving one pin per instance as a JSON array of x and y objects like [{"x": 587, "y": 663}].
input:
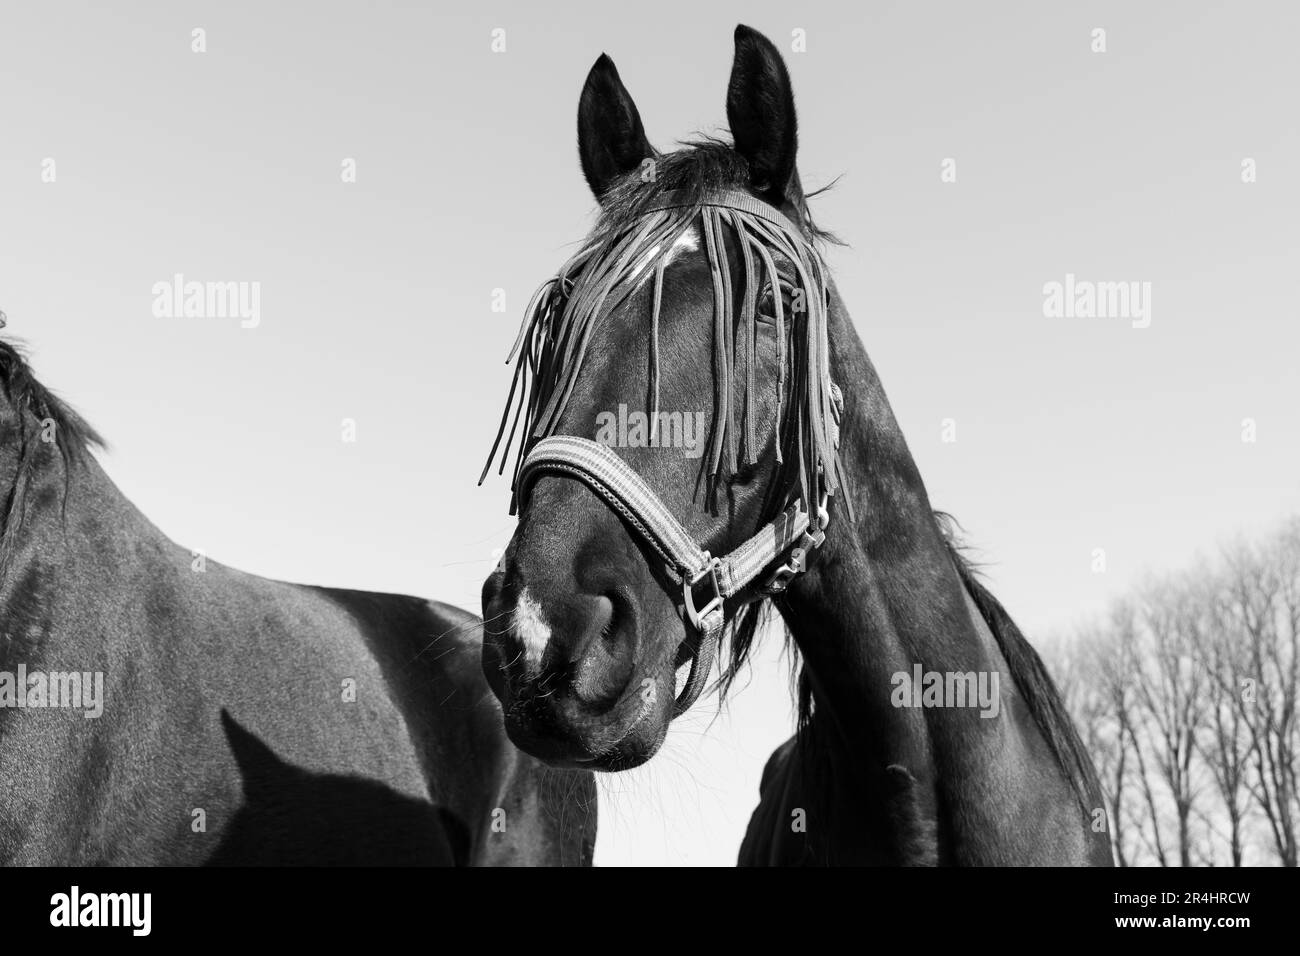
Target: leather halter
[{"x": 707, "y": 582}]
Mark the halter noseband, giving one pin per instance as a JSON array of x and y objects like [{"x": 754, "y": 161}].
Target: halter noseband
[{"x": 707, "y": 582}]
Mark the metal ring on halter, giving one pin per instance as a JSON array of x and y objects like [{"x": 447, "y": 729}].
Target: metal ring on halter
[
  {"x": 797, "y": 563},
  {"x": 696, "y": 615}
]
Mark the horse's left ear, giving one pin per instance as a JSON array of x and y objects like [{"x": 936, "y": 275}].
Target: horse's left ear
[{"x": 760, "y": 109}]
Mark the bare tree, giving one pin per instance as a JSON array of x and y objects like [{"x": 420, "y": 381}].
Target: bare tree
[
  {"x": 1262, "y": 616},
  {"x": 1113, "y": 663},
  {"x": 1222, "y": 743},
  {"x": 1086, "y": 675},
  {"x": 1169, "y": 685},
  {"x": 1186, "y": 697}
]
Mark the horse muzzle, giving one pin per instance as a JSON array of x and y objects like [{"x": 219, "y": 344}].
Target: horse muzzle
[{"x": 563, "y": 664}]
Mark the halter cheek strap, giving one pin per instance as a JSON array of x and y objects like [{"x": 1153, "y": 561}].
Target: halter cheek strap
[{"x": 706, "y": 581}]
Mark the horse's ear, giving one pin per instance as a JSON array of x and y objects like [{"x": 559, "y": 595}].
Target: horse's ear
[
  {"x": 760, "y": 109},
  {"x": 611, "y": 140}
]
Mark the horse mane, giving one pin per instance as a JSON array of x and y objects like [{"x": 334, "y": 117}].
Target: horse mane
[
  {"x": 702, "y": 165},
  {"x": 35, "y": 407},
  {"x": 1029, "y": 673}
]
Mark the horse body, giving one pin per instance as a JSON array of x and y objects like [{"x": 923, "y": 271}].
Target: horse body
[{"x": 244, "y": 720}]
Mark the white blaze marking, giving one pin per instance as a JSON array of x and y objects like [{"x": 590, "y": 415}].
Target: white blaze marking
[
  {"x": 688, "y": 241},
  {"x": 532, "y": 628}
]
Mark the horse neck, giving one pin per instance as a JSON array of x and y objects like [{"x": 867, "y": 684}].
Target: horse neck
[
  {"x": 76, "y": 536},
  {"x": 883, "y": 596}
]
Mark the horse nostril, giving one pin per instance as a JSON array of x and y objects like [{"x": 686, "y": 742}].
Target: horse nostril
[
  {"x": 608, "y": 609},
  {"x": 491, "y": 592},
  {"x": 604, "y": 665}
]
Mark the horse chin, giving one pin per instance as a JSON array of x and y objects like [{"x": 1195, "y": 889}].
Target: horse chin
[
  {"x": 632, "y": 751},
  {"x": 585, "y": 742}
]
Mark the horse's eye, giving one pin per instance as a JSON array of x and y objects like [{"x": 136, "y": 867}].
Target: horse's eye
[{"x": 765, "y": 308}]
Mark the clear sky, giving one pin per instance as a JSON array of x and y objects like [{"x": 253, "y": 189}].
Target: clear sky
[{"x": 1072, "y": 433}]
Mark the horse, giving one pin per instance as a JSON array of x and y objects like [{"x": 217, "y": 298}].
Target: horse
[
  {"x": 157, "y": 707},
  {"x": 702, "y": 288}
]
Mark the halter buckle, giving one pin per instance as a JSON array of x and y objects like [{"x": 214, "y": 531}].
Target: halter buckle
[
  {"x": 782, "y": 576},
  {"x": 695, "y": 614},
  {"x": 797, "y": 563}
]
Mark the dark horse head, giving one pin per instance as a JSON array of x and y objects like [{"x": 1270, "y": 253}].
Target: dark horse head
[
  {"x": 701, "y": 297},
  {"x": 691, "y": 336}
]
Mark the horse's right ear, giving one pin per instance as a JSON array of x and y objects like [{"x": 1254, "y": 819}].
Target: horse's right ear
[{"x": 611, "y": 140}]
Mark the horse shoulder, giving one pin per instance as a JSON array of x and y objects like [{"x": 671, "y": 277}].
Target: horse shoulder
[{"x": 502, "y": 806}]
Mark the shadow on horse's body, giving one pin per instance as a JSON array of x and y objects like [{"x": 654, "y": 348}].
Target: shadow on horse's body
[{"x": 243, "y": 720}]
